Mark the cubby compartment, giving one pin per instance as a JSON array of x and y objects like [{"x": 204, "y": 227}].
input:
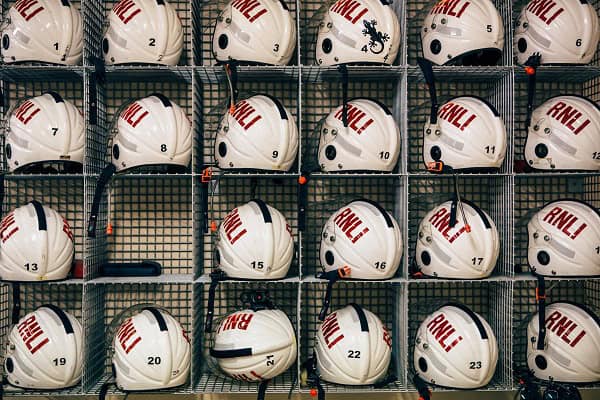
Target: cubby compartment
[
  {"x": 492, "y": 85},
  {"x": 106, "y": 308},
  {"x": 68, "y": 296},
  {"x": 490, "y": 193},
  {"x": 284, "y": 296},
  {"x": 387, "y": 300},
  {"x": 491, "y": 300},
  {"x": 327, "y": 193}
]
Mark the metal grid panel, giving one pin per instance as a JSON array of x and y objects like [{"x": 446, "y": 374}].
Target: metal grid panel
[
  {"x": 318, "y": 100},
  {"x": 175, "y": 298},
  {"x": 525, "y": 306},
  {"x": 183, "y": 8},
  {"x": 66, "y": 297},
  {"x": 381, "y": 298},
  {"x": 491, "y": 300},
  {"x": 205, "y": 19},
  {"x": 62, "y": 193},
  {"x": 230, "y": 192},
  {"x": 311, "y": 13},
  {"x": 417, "y": 10},
  {"x": 496, "y": 88},
  {"x": 285, "y": 297},
  {"x": 152, "y": 220},
  {"x": 214, "y": 97},
  {"x": 491, "y": 193},
  {"x": 327, "y": 194},
  {"x": 533, "y": 192}
]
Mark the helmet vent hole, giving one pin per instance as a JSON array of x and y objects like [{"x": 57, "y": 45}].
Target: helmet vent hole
[
  {"x": 223, "y": 41},
  {"x": 329, "y": 259},
  {"x": 105, "y": 46},
  {"x": 218, "y": 256},
  {"x": 435, "y": 46},
  {"x": 422, "y": 364},
  {"x": 330, "y": 152},
  {"x": 436, "y": 153},
  {"x": 10, "y": 366},
  {"x": 8, "y": 151},
  {"x": 222, "y": 149},
  {"x": 541, "y": 362},
  {"x": 116, "y": 151},
  {"x": 5, "y": 42},
  {"x": 522, "y": 45},
  {"x": 425, "y": 258},
  {"x": 327, "y": 46},
  {"x": 541, "y": 150},
  {"x": 543, "y": 258}
]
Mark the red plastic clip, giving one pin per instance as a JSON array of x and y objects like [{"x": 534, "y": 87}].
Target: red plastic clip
[
  {"x": 436, "y": 166},
  {"x": 344, "y": 271},
  {"x": 206, "y": 175},
  {"x": 537, "y": 295}
]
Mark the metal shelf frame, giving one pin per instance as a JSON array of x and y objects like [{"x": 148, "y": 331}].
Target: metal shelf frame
[{"x": 161, "y": 216}]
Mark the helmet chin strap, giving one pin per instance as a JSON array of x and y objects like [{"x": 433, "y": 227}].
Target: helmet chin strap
[
  {"x": 457, "y": 202},
  {"x": 427, "y": 69},
  {"x": 343, "y": 69},
  {"x": 16, "y": 297},
  {"x": 332, "y": 277},
  {"x": 540, "y": 297},
  {"x": 531, "y": 70},
  {"x": 103, "y": 180},
  {"x": 231, "y": 74},
  {"x": 422, "y": 389}
]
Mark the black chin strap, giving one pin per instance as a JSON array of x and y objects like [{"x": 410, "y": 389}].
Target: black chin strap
[
  {"x": 313, "y": 378},
  {"x": 16, "y": 309},
  {"x": 215, "y": 277},
  {"x": 540, "y": 296},
  {"x": 344, "y": 71},
  {"x": 103, "y": 180},
  {"x": 531, "y": 70},
  {"x": 424, "y": 393},
  {"x": 232, "y": 79},
  {"x": 427, "y": 70},
  {"x": 262, "y": 389},
  {"x": 332, "y": 277}
]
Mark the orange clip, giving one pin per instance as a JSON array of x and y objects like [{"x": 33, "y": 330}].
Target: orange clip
[
  {"x": 529, "y": 70},
  {"x": 313, "y": 392},
  {"x": 109, "y": 229},
  {"x": 206, "y": 175},
  {"x": 436, "y": 166},
  {"x": 417, "y": 275},
  {"x": 302, "y": 180},
  {"x": 344, "y": 271},
  {"x": 213, "y": 226},
  {"x": 231, "y": 108},
  {"x": 537, "y": 295},
  {"x": 468, "y": 228}
]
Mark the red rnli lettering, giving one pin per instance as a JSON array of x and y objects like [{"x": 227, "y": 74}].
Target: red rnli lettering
[
  {"x": 454, "y": 8},
  {"x": 8, "y": 227},
  {"x": 244, "y": 111},
  {"x": 126, "y": 10},
  {"x": 131, "y": 115},
  {"x": 233, "y": 226},
  {"x": 346, "y": 7},
  {"x": 564, "y": 327},
  {"x": 387, "y": 338},
  {"x": 32, "y": 334},
  {"x": 442, "y": 329},
  {"x": 247, "y": 6},
  {"x": 545, "y": 10},
  {"x": 67, "y": 229},
  {"x": 330, "y": 329},
  {"x": 348, "y": 222},
  {"x": 564, "y": 221},
  {"x": 354, "y": 118},
  {"x": 236, "y": 321},
  {"x": 457, "y": 115},
  {"x": 26, "y": 112},
  {"x": 441, "y": 221},
  {"x": 568, "y": 116},
  {"x": 127, "y": 336},
  {"x": 28, "y": 8}
]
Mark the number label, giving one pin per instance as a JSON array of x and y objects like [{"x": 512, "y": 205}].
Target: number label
[
  {"x": 477, "y": 260},
  {"x": 56, "y": 46},
  {"x": 59, "y": 361},
  {"x": 380, "y": 265},
  {"x": 54, "y": 131},
  {"x": 163, "y": 148},
  {"x": 384, "y": 155},
  {"x": 353, "y": 353},
  {"x": 488, "y": 28},
  {"x": 596, "y": 155},
  {"x": 275, "y": 154},
  {"x": 257, "y": 264},
  {"x": 578, "y": 43},
  {"x": 31, "y": 267},
  {"x": 490, "y": 149},
  {"x": 270, "y": 360},
  {"x": 598, "y": 250},
  {"x": 154, "y": 360},
  {"x": 276, "y": 47},
  {"x": 475, "y": 365},
  {"x": 152, "y": 42}
]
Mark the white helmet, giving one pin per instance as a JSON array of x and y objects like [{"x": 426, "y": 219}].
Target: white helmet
[
  {"x": 353, "y": 347},
  {"x": 151, "y": 131},
  {"x": 37, "y": 244},
  {"x": 467, "y": 32},
  {"x": 45, "y": 350},
  {"x": 255, "y": 345},
  {"x": 449, "y": 247},
  {"x": 455, "y": 348},
  {"x": 259, "y": 31},
  {"x": 370, "y": 142},
  {"x": 562, "y": 31},
  {"x": 143, "y": 31},
  {"x": 564, "y": 134},
  {"x": 571, "y": 349},
  {"x": 42, "y": 30},
  {"x": 358, "y": 31},
  {"x": 43, "y": 129},
  {"x": 151, "y": 351},
  {"x": 468, "y": 135},
  {"x": 563, "y": 239},
  {"x": 259, "y": 134},
  {"x": 364, "y": 237},
  {"x": 255, "y": 242}
]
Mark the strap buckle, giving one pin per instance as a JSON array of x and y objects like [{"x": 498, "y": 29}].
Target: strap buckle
[
  {"x": 435, "y": 166},
  {"x": 539, "y": 296},
  {"x": 206, "y": 175}
]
